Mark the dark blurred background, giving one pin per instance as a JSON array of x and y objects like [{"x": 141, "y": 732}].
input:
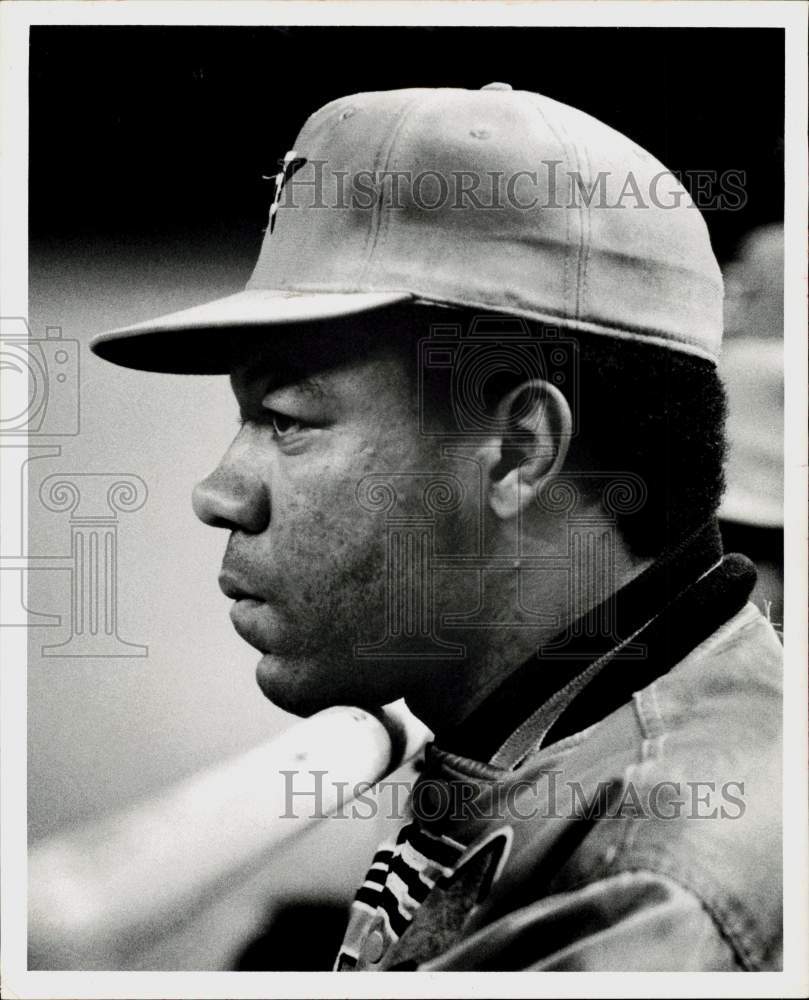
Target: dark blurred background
[{"x": 143, "y": 134}]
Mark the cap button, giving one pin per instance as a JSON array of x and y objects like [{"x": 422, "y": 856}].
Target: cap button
[{"x": 497, "y": 86}]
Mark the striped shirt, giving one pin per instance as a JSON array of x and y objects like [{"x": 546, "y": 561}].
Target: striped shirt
[{"x": 401, "y": 875}]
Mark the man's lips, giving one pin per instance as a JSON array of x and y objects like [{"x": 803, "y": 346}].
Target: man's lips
[
  {"x": 236, "y": 589},
  {"x": 252, "y": 620},
  {"x": 250, "y": 612}
]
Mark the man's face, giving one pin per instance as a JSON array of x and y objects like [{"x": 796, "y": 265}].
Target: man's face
[{"x": 306, "y": 561}]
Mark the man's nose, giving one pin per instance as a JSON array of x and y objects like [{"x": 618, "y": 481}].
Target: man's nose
[{"x": 233, "y": 499}]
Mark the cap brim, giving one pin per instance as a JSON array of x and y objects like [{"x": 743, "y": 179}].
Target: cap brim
[{"x": 199, "y": 340}]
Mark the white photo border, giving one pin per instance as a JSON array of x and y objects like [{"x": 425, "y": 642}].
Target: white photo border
[{"x": 16, "y": 17}]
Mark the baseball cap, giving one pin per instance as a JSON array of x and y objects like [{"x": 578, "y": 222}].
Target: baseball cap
[{"x": 494, "y": 199}]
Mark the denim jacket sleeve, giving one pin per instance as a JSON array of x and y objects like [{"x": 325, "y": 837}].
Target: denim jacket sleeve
[{"x": 633, "y": 921}]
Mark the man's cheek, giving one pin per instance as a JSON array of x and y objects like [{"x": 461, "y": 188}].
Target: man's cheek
[{"x": 328, "y": 542}]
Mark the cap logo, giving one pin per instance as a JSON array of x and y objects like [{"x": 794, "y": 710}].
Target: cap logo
[{"x": 289, "y": 166}]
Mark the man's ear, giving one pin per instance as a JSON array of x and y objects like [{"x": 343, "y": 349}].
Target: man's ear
[{"x": 532, "y": 446}]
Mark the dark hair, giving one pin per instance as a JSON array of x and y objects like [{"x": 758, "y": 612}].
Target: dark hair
[
  {"x": 659, "y": 414},
  {"x": 639, "y": 408}
]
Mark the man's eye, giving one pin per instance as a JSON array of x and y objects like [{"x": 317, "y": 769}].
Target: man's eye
[{"x": 284, "y": 425}]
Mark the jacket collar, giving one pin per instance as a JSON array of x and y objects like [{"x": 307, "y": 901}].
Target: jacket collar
[{"x": 622, "y": 645}]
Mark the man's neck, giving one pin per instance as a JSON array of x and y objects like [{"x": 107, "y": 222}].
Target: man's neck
[
  {"x": 498, "y": 649},
  {"x": 646, "y": 627}
]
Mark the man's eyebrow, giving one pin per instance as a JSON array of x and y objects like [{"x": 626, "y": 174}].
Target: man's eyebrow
[
  {"x": 290, "y": 377},
  {"x": 309, "y": 385}
]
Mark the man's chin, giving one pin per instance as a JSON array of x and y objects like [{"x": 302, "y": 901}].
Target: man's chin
[
  {"x": 300, "y": 687},
  {"x": 290, "y": 686},
  {"x": 277, "y": 685}
]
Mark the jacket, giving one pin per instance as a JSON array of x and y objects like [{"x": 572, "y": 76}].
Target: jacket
[{"x": 638, "y": 833}]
